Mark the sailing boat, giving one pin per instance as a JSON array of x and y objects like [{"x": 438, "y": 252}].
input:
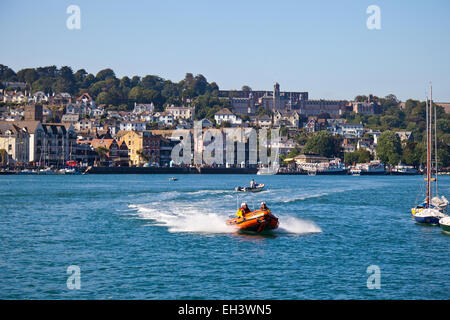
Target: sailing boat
[{"x": 429, "y": 212}]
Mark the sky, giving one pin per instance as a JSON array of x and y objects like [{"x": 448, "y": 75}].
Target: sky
[{"x": 323, "y": 47}]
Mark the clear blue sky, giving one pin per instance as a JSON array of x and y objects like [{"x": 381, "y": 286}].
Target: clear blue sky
[{"x": 322, "y": 47}]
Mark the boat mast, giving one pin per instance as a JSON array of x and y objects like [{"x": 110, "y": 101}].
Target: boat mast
[
  {"x": 428, "y": 156},
  {"x": 435, "y": 147}
]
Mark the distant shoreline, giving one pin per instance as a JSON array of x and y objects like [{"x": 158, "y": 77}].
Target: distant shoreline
[{"x": 203, "y": 170}]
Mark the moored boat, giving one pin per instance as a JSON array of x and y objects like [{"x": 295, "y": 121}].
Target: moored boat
[
  {"x": 445, "y": 224},
  {"x": 46, "y": 171},
  {"x": 374, "y": 167},
  {"x": 255, "y": 221},
  {"x": 433, "y": 208},
  {"x": 401, "y": 169},
  {"x": 429, "y": 216}
]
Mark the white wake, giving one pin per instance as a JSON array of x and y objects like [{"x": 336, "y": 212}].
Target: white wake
[{"x": 197, "y": 220}]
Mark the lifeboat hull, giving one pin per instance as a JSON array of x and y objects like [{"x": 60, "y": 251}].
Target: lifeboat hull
[{"x": 255, "y": 221}]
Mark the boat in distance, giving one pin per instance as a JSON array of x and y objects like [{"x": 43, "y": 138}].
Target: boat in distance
[
  {"x": 255, "y": 221},
  {"x": 258, "y": 188}
]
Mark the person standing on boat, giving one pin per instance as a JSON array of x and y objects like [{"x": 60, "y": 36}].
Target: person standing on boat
[
  {"x": 253, "y": 184},
  {"x": 243, "y": 210}
]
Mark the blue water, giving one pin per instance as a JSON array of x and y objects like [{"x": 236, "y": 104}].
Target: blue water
[{"x": 144, "y": 237}]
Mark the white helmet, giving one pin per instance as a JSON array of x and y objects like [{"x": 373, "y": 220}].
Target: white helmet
[
  {"x": 263, "y": 203},
  {"x": 243, "y": 204}
]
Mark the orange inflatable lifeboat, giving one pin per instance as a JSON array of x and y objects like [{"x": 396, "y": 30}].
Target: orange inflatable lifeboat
[{"x": 256, "y": 221}]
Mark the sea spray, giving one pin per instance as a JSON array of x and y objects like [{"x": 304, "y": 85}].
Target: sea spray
[
  {"x": 192, "y": 219},
  {"x": 289, "y": 224}
]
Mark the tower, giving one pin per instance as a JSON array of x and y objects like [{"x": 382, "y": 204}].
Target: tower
[
  {"x": 276, "y": 96},
  {"x": 33, "y": 112}
]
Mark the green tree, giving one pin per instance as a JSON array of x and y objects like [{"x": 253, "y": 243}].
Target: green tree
[
  {"x": 389, "y": 148},
  {"x": 105, "y": 74},
  {"x": 324, "y": 144},
  {"x": 358, "y": 156}
]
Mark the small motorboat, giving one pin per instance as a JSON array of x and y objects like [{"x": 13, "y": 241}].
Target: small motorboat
[
  {"x": 257, "y": 188},
  {"x": 256, "y": 221},
  {"x": 173, "y": 179}
]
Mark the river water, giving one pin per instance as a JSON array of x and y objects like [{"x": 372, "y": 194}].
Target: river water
[{"x": 144, "y": 237}]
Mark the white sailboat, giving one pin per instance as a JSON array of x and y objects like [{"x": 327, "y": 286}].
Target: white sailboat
[{"x": 429, "y": 212}]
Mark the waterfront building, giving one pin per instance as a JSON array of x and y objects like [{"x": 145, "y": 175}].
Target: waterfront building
[
  {"x": 310, "y": 158},
  {"x": 59, "y": 142},
  {"x": 15, "y": 141},
  {"x": 36, "y": 136},
  {"x": 116, "y": 152},
  {"x": 143, "y": 146}
]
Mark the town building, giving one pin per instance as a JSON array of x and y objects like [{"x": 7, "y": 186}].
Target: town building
[
  {"x": 143, "y": 107},
  {"x": 115, "y": 152},
  {"x": 288, "y": 119},
  {"x": 15, "y": 141},
  {"x": 184, "y": 113},
  {"x": 132, "y": 125},
  {"x": 316, "y": 107},
  {"x": 165, "y": 118},
  {"x": 225, "y": 115},
  {"x": 367, "y": 107},
  {"x": 33, "y": 112},
  {"x": 143, "y": 147}
]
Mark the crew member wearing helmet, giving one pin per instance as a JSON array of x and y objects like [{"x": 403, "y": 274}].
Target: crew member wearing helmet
[
  {"x": 264, "y": 207},
  {"x": 243, "y": 210}
]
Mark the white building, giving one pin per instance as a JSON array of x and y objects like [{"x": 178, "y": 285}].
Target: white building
[
  {"x": 132, "y": 126},
  {"x": 226, "y": 115},
  {"x": 350, "y": 130},
  {"x": 186, "y": 113},
  {"x": 165, "y": 118}
]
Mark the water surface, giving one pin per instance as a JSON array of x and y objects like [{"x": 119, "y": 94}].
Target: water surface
[{"x": 144, "y": 237}]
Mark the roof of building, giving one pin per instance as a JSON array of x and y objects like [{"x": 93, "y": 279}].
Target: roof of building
[
  {"x": 105, "y": 143},
  {"x": 224, "y": 111},
  {"x": 30, "y": 125},
  {"x": 8, "y": 126},
  {"x": 84, "y": 96}
]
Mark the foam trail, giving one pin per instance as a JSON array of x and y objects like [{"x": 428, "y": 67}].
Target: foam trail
[
  {"x": 297, "y": 226},
  {"x": 186, "y": 219}
]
